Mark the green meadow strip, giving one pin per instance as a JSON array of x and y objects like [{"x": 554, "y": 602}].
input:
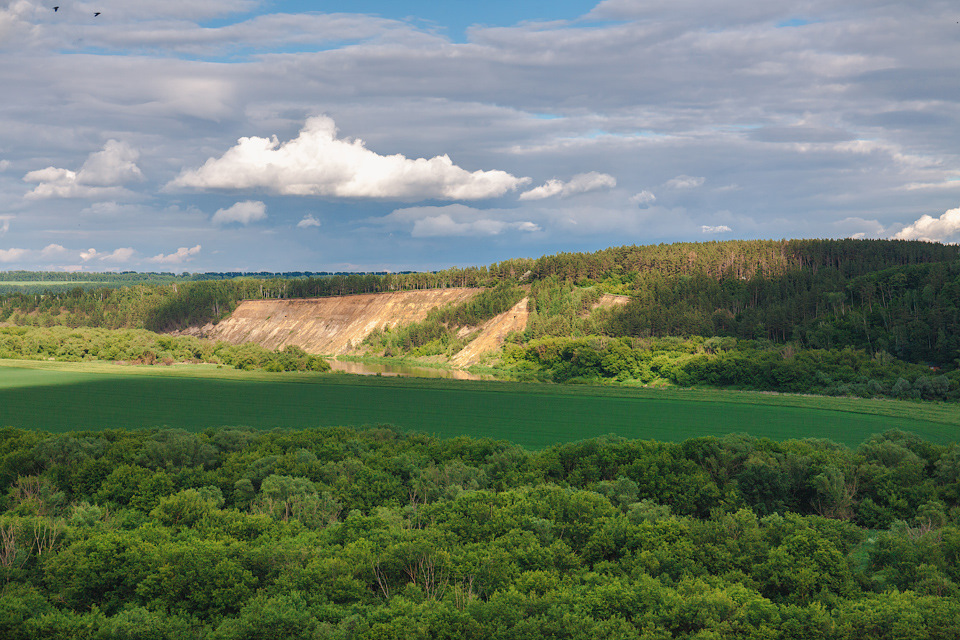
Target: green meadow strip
[{"x": 59, "y": 396}]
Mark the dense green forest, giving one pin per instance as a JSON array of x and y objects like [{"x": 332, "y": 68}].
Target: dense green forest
[
  {"x": 728, "y": 362},
  {"x": 337, "y": 533}
]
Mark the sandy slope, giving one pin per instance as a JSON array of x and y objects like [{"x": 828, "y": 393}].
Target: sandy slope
[
  {"x": 492, "y": 333},
  {"x": 611, "y": 300},
  {"x": 328, "y": 325}
]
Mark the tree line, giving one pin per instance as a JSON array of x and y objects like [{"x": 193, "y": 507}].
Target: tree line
[
  {"x": 730, "y": 363},
  {"x": 138, "y": 346}
]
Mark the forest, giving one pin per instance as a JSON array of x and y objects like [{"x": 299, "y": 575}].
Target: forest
[{"x": 373, "y": 533}]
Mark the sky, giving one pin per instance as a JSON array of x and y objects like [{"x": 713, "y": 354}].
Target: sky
[{"x": 249, "y": 135}]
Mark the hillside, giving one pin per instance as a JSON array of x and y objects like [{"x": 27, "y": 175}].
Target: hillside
[
  {"x": 493, "y": 333},
  {"x": 332, "y": 325},
  {"x": 839, "y": 317}
]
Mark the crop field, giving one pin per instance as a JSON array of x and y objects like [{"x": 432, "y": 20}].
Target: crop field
[
  {"x": 57, "y": 396},
  {"x": 34, "y": 283}
]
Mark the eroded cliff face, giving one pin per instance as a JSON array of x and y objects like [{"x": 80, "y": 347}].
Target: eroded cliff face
[
  {"x": 608, "y": 300},
  {"x": 327, "y": 326},
  {"x": 492, "y": 334}
]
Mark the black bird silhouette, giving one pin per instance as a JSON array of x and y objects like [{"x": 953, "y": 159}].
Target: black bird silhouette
[
  {"x": 96, "y": 14},
  {"x": 55, "y": 9}
]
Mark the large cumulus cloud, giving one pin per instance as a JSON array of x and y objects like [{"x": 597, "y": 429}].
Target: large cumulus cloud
[
  {"x": 318, "y": 163},
  {"x": 946, "y": 228}
]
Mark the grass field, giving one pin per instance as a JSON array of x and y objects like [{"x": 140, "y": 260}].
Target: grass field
[
  {"x": 58, "y": 396},
  {"x": 34, "y": 283}
]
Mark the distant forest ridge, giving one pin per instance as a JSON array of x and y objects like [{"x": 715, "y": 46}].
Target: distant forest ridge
[
  {"x": 15, "y": 280},
  {"x": 901, "y": 297},
  {"x": 729, "y": 258}
]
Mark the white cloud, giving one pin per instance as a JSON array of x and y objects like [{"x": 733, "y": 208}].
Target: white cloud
[
  {"x": 318, "y": 163},
  {"x": 182, "y": 254},
  {"x": 580, "y": 183},
  {"x": 684, "y": 182},
  {"x": 52, "y": 250},
  {"x": 943, "y": 229},
  {"x": 119, "y": 255},
  {"x": 122, "y": 254},
  {"x": 308, "y": 221},
  {"x": 11, "y": 255},
  {"x": 721, "y": 228},
  {"x": 101, "y": 175},
  {"x": 550, "y": 188},
  {"x": 951, "y": 183},
  {"x": 116, "y": 164},
  {"x": 14, "y": 21},
  {"x": 444, "y": 225},
  {"x": 242, "y": 212},
  {"x": 110, "y": 209},
  {"x": 458, "y": 220},
  {"x": 644, "y": 197},
  {"x": 5, "y": 224},
  {"x": 4, "y": 165}
]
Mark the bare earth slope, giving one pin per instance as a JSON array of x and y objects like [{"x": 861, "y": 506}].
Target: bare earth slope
[
  {"x": 610, "y": 300},
  {"x": 332, "y": 325},
  {"x": 492, "y": 333}
]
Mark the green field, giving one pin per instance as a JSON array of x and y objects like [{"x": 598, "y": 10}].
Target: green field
[
  {"x": 34, "y": 283},
  {"x": 57, "y": 396}
]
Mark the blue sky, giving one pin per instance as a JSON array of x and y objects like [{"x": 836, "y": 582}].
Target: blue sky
[
  {"x": 450, "y": 18},
  {"x": 249, "y": 135}
]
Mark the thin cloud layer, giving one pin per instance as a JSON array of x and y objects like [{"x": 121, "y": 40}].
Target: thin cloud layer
[
  {"x": 183, "y": 254},
  {"x": 16, "y": 22},
  {"x": 580, "y": 183},
  {"x": 122, "y": 254},
  {"x": 456, "y": 220},
  {"x": 644, "y": 197},
  {"x": 685, "y": 182},
  {"x": 12, "y": 255},
  {"x": 317, "y": 163},
  {"x": 242, "y": 212},
  {"x": 101, "y": 175},
  {"x": 444, "y": 225},
  {"x": 715, "y": 229},
  {"x": 52, "y": 250},
  {"x": 307, "y": 222},
  {"x": 946, "y": 228}
]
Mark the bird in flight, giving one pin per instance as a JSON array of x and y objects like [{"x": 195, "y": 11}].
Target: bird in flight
[
  {"x": 57, "y": 8},
  {"x": 96, "y": 14}
]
